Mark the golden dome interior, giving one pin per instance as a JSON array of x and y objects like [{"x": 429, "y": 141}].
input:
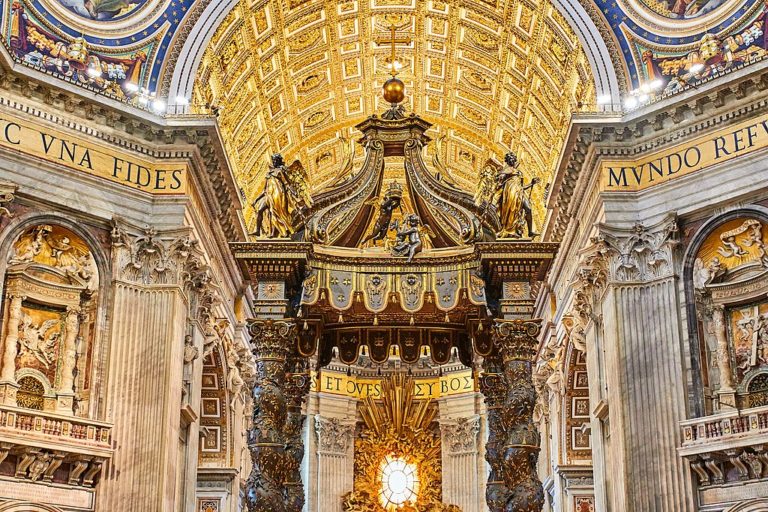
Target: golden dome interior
[{"x": 295, "y": 76}]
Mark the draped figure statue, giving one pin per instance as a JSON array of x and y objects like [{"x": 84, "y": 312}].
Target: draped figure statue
[
  {"x": 512, "y": 200},
  {"x": 285, "y": 190}
]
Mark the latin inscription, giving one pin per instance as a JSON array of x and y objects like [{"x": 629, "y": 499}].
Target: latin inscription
[
  {"x": 340, "y": 384},
  {"x": 701, "y": 153},
  {"x": 90, "y": 158}
]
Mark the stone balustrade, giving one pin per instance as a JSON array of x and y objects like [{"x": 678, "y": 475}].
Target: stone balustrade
[
  {"x": 734, "y": 428},
  {"x": 67, "y": 431}
]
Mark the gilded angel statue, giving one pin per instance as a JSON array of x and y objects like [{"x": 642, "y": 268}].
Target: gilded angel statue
[
  {"x": 512, "y": 200},
  {"x": 286, "y": 190}
]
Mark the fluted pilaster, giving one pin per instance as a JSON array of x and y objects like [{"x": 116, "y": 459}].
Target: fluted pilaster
[
  {"x": 335, "y": 461},
  {"x": 646, "y": 388}
]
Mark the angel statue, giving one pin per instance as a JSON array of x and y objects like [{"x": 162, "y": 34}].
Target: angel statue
[
  {"x": 39, "y": 340},
  {"x": 412, "y": 236},
  {"x": 392, "y": 199},
  {"x": 285, "y": 190},
  {"x": 512, "y": 200}
]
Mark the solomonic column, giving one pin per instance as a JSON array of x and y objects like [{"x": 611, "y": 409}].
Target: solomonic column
[
  {"x": 271, "y": 342},
  {"x": 493, "y": 388},
  {"x": 296, "y": 391},
  {"x": 516, "y": 341}
]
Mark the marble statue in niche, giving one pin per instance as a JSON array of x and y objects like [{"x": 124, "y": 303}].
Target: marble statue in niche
[{"x": 49, "y": 304}]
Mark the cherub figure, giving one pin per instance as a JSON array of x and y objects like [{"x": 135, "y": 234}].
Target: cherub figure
[{"x": 410, "y": 236}]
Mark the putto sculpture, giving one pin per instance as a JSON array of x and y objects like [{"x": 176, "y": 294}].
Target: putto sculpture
[
  {"x": 513, "y": 201},
  {"x": 411, "y": 236}
]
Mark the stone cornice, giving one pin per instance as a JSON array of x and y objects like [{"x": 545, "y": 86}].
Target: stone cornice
[
  {"x": 659, "y": 125},
  {"x": 99, "y": 118}
]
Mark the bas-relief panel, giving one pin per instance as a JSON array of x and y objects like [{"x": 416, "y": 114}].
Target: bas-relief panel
[
  {"x": 40, "y": 337},
  {"x": 735, "y": 243},
  {"x": 749, "y": 335}
]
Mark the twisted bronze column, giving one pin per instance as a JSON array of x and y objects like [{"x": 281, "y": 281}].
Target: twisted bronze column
[
  {"x": 296, "y": 390},
  {"x": 271, "y": 342},
  {"x": 493, "y": 387},
  {"x": 513, "y": 442}
]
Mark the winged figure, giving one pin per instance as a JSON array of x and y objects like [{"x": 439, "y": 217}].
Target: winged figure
[
  {"x": 286, "y": 190},
  {"x": 392, "y": 199},
  {"x": 39, "y": 341},
  {"x": 410, "y": 239}
]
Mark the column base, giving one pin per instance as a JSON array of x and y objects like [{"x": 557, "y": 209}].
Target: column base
[
  {"x": 8, "y": 393},
  {"x": 65, "y": 403},
  {"x": 726, "y": 399}
]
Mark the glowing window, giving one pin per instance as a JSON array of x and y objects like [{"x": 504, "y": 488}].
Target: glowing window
[{"x": 399, "y": 482}]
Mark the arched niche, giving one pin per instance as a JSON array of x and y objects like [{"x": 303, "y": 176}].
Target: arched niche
[
  {"x": 26, "y": 506},
  {"x": 759, "y": 505},
  {"x": 215, "y": 411},
  {"x": 50, "y": 303},
  {"x": 726, "y": 282}
]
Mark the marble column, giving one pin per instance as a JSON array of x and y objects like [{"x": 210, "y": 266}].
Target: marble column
[
  {"x": 645, "y": 399},
  {"x": 726, "y": 392},
  {"x": 335, "y": 462},
  {"x": 271, "y": 341},
  {"x": 149, "y": 318},
  {"x": 461, "y": 480},
  {"x": 10, "y": 347},
  {"x": 65, "y": 391}
]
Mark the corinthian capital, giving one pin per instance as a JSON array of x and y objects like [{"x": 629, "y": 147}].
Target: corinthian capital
[
  {"x": 640, "y": 253},
  {"x": 148, "y": 256},
  {"x": 332, "y": 435},
  {"x": 272, "y": 339},
  {"x": 516, "y": 339},
  {"x": 461, "y": 436}
]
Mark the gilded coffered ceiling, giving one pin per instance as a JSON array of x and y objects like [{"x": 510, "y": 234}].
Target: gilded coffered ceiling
[{"x": 295, "y": 76}]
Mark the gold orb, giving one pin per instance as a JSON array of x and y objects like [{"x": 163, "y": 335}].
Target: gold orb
[{"x": 394, "y": 90}]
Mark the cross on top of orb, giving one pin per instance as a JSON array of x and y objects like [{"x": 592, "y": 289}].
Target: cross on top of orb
[{"x": 393, "y": 40}]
